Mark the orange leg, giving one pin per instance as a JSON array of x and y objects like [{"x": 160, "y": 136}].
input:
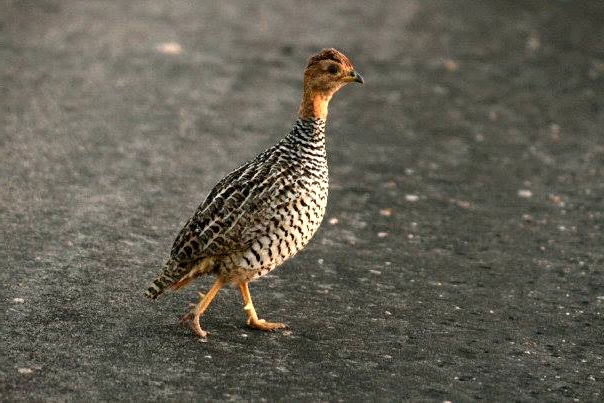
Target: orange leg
[
  {"x": 252, "y": 317},
  {"x": 200, "y": 308}
]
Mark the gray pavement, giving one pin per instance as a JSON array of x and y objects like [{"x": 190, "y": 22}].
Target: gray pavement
[{"x": 462, "y": 254}]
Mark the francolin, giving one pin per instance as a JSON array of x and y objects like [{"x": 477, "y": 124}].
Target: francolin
[{"x": 265, "y": 211}]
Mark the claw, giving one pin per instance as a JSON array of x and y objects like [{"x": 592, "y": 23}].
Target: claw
[
  {"x": 196, "y": 327},
  {"x": 191, "y": 321},
  {"x": 186, "y": 319}
]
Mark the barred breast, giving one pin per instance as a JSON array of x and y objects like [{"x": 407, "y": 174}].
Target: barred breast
[
  {"x": 287, "y": 231},
  {"x": 295, "y": 209}
]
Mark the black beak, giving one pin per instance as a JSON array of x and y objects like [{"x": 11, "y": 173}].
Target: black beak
[
  {"x": 354, "y": 77},
  {"x": 357, "y": 78}
]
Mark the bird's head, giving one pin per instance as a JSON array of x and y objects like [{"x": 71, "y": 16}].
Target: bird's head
[{"x": 326, "y": 72}]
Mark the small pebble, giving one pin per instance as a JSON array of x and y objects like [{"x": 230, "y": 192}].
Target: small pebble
[
  {"x": 18, "y": 300},
  {"x": 460, "y": 203},
  {"x": 382, "y": 234},
  {"x": 333, "y": 221},
  {"x": 25, "y": 371},
  {"x": 533, "y": 42},
  {"x": 411, "y": 198},
  {"x": 554, "y": 132},
  {"x": 450, "y": 65},
  {"x": 387, "y": 212},
  {"x": 525, "y": 193},
  {"x": 440, "y": 90},
  {"x": 169, "y": 48},
  {"x": 557, "y": 200}
]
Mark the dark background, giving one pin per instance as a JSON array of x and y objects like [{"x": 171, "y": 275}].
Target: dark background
[{"x": 462, "y": 253}]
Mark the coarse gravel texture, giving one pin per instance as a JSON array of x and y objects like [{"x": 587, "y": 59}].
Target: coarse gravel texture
[{"x": 462, "y": 254}]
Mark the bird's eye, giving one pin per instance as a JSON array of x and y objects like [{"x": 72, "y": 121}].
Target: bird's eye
[{"x": 333, "y": 69}]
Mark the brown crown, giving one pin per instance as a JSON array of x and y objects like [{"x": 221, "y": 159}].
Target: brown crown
[{"x": 329, "y": 54}]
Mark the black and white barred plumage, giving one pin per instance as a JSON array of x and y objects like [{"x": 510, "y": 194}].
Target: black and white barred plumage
[{"x": 257, "y": 216}]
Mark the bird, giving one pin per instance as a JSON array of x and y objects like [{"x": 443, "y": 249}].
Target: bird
[{"x": 265, "y": 211}]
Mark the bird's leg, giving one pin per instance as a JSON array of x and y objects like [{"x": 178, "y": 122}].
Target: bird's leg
[
  {"x": 252, "y": 317},
  {"x": 199, "y": 309}
]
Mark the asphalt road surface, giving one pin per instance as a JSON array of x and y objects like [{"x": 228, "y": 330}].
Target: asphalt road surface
[{"x": 462, "y": 254}]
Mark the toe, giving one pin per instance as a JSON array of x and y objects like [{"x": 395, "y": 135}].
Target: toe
[{"x": 261, "y": 324}]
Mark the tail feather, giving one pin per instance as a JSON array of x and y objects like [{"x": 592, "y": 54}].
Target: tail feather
[
  {"x": 158, "y": 286},
  {"x": 168, "y": 277},
  {"x": 176, "y": 275}
]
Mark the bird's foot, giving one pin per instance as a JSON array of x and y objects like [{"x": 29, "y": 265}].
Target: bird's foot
[
  {"x": 261, "y": 324},
  {"x": 192, "y": 320}
]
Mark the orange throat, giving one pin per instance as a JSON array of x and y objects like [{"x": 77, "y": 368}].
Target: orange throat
[{"x": 314, "y": 105}]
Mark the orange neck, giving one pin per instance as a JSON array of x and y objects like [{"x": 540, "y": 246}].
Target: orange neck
[{"x": 314, "y": 104}]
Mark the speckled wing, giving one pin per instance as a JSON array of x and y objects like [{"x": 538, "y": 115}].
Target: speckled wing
[{"x": 234, "y": 213}]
